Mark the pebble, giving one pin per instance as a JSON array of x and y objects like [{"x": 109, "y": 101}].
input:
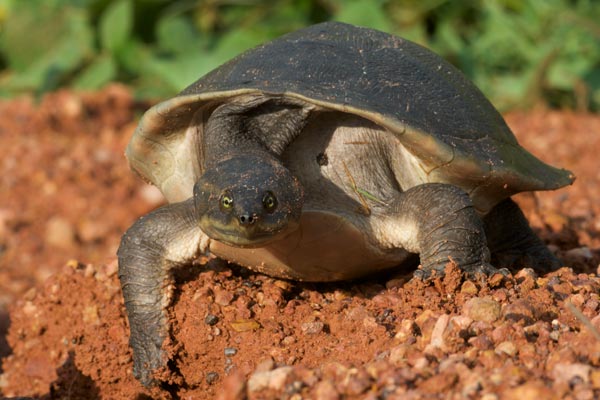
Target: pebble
[
  {"x": 356, "y": 382},
  {"x": 592, "y": 304},
  {"x": 577, "y": 300},
  {"x": 595, "y": 379},
  {"x": 90, "y": 315},
  {"x": 233, "y": 387},
  {"x": 312, "y": 328},
  {"x": 325, "y": 390},
  {"x": 72, "y": 106},
  {"x": 357, "y": 313},
  {"x": 439, "y": 383},
  {"x": 532, "y": 390},
  {"x": 482, "y": 309},
  {"x": 60, "y": 233},
  {"x": 461, "y": 321},
  {"x": 495, "y": 280},
  {"x": 420, "y": 364},
  {"x": 554, "y": 335},
  {"x": 274, "y": 379},
  {"x": 288, "y": 340},
  {"x": 223, "y": 297},
  {"x": 370, "y": 323},
  {"x": 398, "y": 354},
  {"x": 526, "y": 276},
  {"x": 89, "y": 230},
  {"x": 211, "y": 319},
  {"x": 245, "y": 325},
  {"x": 506, "y": 347},
  {"x": 526, "y": 273},
  {"x": 340, "y": 295},
  {"x": 265, "y": 365},
  {"x": 480, "y": 342},
  {"x": 230, "y": 351},
  {"x": 334, "y": 370},
  {"x": 437, "y": 335},
  {"x": 405, "y": 330},
  {"x": 468, "y": 287},
  {"x": 30, "y": 294},
  {"x": 519, "y": 310},
  {"x": 564, "y": 372},
  {"x": 211, "y": 377},
  {"x": 284, "y": 285},
  {"x": 112, "y": 268}
]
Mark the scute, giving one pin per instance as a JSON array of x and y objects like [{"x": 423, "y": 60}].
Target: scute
[{"x": 436, "y": 112}]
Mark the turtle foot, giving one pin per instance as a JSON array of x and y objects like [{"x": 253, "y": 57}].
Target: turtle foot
[
  {"x": 539, "y": 258},
  {"x": 513, "y": 243},
  {"x": 148, "y": 358},
  {"x": 474, "y": 271}
]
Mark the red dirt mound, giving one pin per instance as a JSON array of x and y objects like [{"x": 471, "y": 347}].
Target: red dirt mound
[{"x": 237, "y": 334}]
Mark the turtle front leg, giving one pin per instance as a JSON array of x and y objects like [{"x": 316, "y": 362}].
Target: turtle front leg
[
  {"x": 512, "y": 241},
  {"x": 156, "y": 243},
  {"x": 439, "y": 222}
]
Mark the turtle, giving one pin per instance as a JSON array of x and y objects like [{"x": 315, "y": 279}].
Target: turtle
[{"x": 328, "y": 154}]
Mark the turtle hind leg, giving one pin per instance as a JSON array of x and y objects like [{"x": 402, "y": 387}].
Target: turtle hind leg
[{"x": 513, "y": 243}]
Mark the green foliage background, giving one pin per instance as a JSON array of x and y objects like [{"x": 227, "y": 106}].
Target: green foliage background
[{"x": 519, "y": 52}]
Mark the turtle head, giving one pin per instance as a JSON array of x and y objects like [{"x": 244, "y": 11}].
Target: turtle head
[{"x": 248, "y": 201}]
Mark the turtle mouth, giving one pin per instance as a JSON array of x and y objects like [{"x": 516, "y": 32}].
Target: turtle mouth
[
  {"x": 237, "y": 236},
  {"x": 236, "y": 240}
]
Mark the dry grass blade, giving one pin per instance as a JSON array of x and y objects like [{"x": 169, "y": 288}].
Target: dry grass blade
[
  {"x": 364, "y": 206},
  {"x": 584, "y": 320}
]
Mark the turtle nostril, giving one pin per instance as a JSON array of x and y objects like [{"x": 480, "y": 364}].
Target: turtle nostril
[{"x": 247, "y": 219}]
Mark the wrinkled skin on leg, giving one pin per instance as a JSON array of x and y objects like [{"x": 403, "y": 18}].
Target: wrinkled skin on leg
[
  {"x": 512, "y": 242},
  {"x": 444, "y": 225},
  {"x": 439, "y": 222},
  {"x": 166, "y": 238}
]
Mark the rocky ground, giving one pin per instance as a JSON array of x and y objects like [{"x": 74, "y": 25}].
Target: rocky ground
[{"x": 67, "y": 196}]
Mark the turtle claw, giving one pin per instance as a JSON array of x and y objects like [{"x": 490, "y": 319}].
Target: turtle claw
[
  {"x": 148, "y": 357},
  {"x": 472, "y": 271},
  {"x": 483, "y": 269},
  {"x": 428, "y": 272}
]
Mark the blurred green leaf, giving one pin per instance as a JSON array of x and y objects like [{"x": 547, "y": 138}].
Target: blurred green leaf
[
  {"x": 178, "y": 35},
  {"x": 96, "y": 75},
  {"x": 368, "y": 13},
  {"x": 65, "y": 46},
  {"x": 133, "y": 57},
  {"x": 519, "y": 52},
  {"x": 116, "y": 25},
  {"x": 234, "y": 43}
]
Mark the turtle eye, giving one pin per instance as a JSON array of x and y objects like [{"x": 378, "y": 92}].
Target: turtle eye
[
  {"x": 269, "y": 202},
  {"x": 226, "y": 201}
]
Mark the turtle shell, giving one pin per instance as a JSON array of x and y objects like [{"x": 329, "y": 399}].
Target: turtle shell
[{"x": 454, "y": 132}]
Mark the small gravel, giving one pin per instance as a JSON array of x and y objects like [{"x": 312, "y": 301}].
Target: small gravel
[
  {"x": 483, "y": 309},
  {"x": 230, "y": 351},
  {"x": 211, "y": 319},
  {"x": 212, "y": 377}
]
